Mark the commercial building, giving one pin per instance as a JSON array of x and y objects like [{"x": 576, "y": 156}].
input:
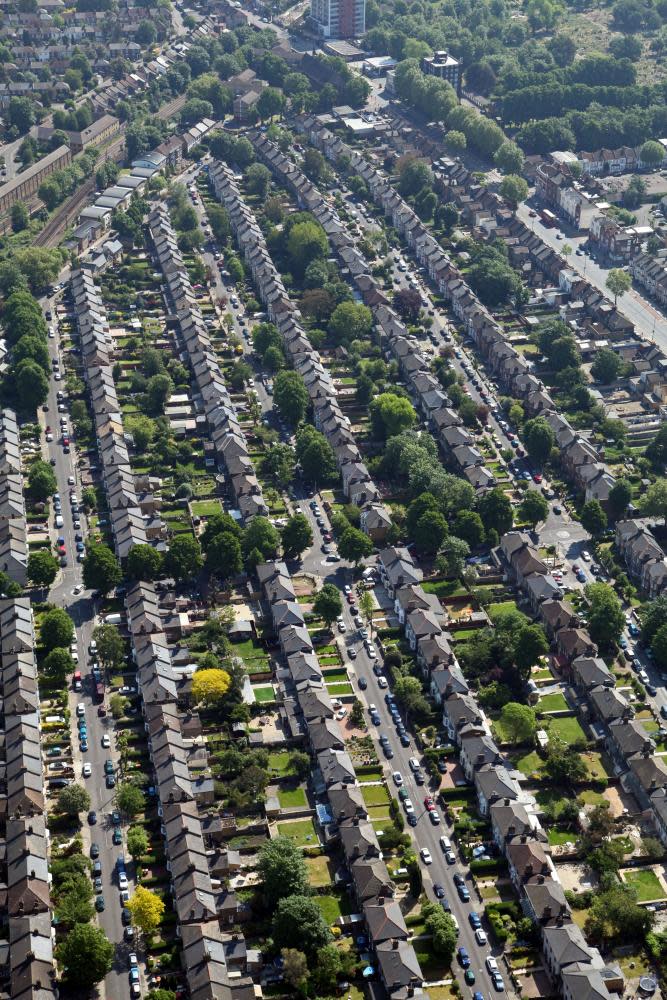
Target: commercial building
[
  {"x": 444, "y": 66},
  {"x": 339, "y": 18}
]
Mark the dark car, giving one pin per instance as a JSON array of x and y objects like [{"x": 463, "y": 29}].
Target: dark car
[
  {"x": 97, "y": 869},
  {"x": 363, "y": 683},
  {"x": 108, "y": 767},
  {"x": 405, "y": 741},
  {"x": 110, "y": 781},
  {"x": 92, "y": 817},
  {"x": 412, "y": 819},
  {"x": 94, "y": 851},
  {"x": 438, "y": 890},
  {"x": 475, "y": 920},
  {"x": 99, "y": 904},
  {"x": 442, "y": 766},
  {"x": 388, "y": 752},
  {"x": 458, "y": 879},
  {"x": 464, "y": 895},
  {"x": 117, "y": 837},
  {"x": 115, "y": 818},
  {"x": 125, "y": 916},
  {"x": 463, "y": 957},
  {"x": 419, "y": 777}
]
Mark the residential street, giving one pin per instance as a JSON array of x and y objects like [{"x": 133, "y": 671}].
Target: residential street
[
  {"x": 68, "y": 592},
  {"x": 649, "y": 321}
]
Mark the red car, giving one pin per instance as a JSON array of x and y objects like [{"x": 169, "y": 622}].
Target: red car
[
  {"x": 48, "y": 429},
  {"x": 537, "y": 478},
  {"x": 350, "y": 598},
  {"x": 429, "y": 803},
  {"x": 65, "y": 440}
]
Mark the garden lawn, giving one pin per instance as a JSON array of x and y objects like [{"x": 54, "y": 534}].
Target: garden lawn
[
  {"x": 338, "y": 689},
  {"x": 279, "y": 763},
  {"x": 205, "y": 508},
  {"x": 445, "y": 588},
  {"x": 500, "y": 607},
  {"x": 568, "y": 728},
  {"x": 375, "y": 795},
  {"x": 301, "y": 831},
  {"x": 529, "y": 763},
  {"x": 331, "y": 676},
  {"x": 558, "y": 837},
  {"x": 319, "y": 872},
  {"x": 646, "y": 884},
  {"x": 291, "y": 797},
  {"x": 264, "y": 694},
  {"x": 333, "y": 907},
  {"x": 552, "y": 703}
]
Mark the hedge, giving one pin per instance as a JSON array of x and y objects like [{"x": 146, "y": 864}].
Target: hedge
[
  {"x": 457, "y": 793},
  {"x": 483, "y": 867}
]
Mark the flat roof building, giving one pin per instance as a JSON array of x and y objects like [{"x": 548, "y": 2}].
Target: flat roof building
[{"x": 444, "y": 66}]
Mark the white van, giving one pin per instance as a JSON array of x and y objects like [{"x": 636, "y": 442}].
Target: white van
[
  {"x": 59, "y": 521},
  {"x": 454, "y": 921},
  {"x": 80, "y": 709},
  {"x": 445, "y": 844},
  {"x": 114, "y": 619}
]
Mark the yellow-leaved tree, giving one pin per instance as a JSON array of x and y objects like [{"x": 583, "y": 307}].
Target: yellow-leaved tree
[
  {"x": 146, "y": 908},
  {"x": 210, "y": 685}
]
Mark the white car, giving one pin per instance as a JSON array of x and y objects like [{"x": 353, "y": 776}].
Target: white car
[
  {"x": 71, "y": 481},
  {"x": 341, "y": 713},
  {"x": 132, "y": 960},
  {"x": 86, "y": 770},
  {"x": 342, "y": 627},
  {"x": 106, "y": 742},
  {"x": 347, "y": 589},
  {"x": 57, "y": 376},
  {"x": 426, "y": 856},
  {"x": 122, "y": 881},
  {"x": 491, "y": 964},
  {"x": 480, "y": 935},
  {"x": 383, "y": 682},
  {"x": 414, "y": 764},
  {"x": 398, "y": 778},
  {"x": 586, "y": 556}
]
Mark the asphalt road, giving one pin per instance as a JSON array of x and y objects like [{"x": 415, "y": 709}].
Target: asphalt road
[{"x": 68, "y": 592}]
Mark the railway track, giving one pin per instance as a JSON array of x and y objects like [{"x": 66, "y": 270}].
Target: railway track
[{"x": 69, "y": 210}]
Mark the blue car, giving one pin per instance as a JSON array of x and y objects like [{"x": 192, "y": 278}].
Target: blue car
[
  {"x": 623, "y": 642},
  {"x": 474, "y": 919},
  {"x": 83, "y": 746},
  {"x": 463, "y": 957},
  {"x": 464, "y": 895}
]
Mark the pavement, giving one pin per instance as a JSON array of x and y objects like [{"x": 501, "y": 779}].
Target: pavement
[{"x": 68, "y": 592}]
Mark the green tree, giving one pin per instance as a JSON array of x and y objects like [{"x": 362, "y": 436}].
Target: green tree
[
  {"x": 651, "y": 153},
  {"x": 144, "y": 563},
  {"x": 538, "y": 438},
  {"x": 468, "y": 526},
  {"x": 315, "y": 456},
  {"x": 101, "y": 569},
  {"x": 290, "y": 397},
  {"x": 533, "y": 508},
  {"x": 518, "y": 722},
  {"x": 652, "y": 617},
  {"x": 509, "y": 158},
  {"x": 620, "y": 496},
  {"x": 328, "y": 604},
  {"x": 654, "y": 501},
  {"x": 324, "y": 977},
  {"x": 350, "y": 321},
  {"x": 452, "y": 556},
  {"x": 442, "y": 929},
  {"x": 606, "y": 619},
  {"x": 20, "y": 217},
  {"x": 86, "y": 955},
  {"x": 130, "y": 799},
  {"x": 73, "y": 799},
  {"x": 391, "y": 415},
  {"x": 614, "y": 916},
  {"x": 224, "y": 557},
  {"x": 564, "y": 764},
  {"x": 299, "y": 765},
  {"x": 271, "y": 102},
  {"x": 298, "y": 922},
  {"x": 58, "y": 663},
  {"x": 409, "y": 694},
  {"x": 354, "y": 545},
  {"x": 184, "y": 559},
  {"x": 279, "y": 463},
  {"x": 306, "y": 242},
  {"x": 295, "y": 968},
  {"x": 430, "y": 531},
  {"x": 31, "y": 384},
  {"x": 110, "y": 646},
  {"x": 513, "y": 189},
  {"x": 659, "y": 647},
  {"x": 118, "y": 705},
  {"x": 656, "y": 450},
  {"x": 606, "y": 366},
  {"x": 618, "y": 282},
  {"x": 257, "y": 178},
  {"x": 41, "y": 481},
  {"x": 496, "y": 511},
  {"x": 531, "y": 644},
  {"x": 414, "y": 176},
  {"x": 282, "y": 870},
  {"x": 158, "y": 390},
  {"x": 142, "y": 429},
  {"x": 56, "y": 630},
  {"x": 137, "y": 842},
  {"x": 297, "y": 535},
  {"x": 42, "y": 568},
  {"x": 261, "y": 535},
  {"x": 593, "y": 518}
]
